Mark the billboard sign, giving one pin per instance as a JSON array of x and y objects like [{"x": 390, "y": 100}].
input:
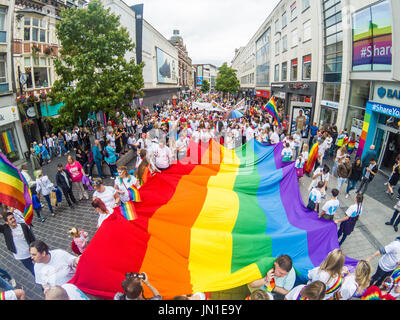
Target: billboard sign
[
  {"x": 372, "y": 38},
  {"x": 166, "y": 68}
]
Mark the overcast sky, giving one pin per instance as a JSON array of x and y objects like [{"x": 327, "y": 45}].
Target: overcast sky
[{"x": 211, "y": 29}]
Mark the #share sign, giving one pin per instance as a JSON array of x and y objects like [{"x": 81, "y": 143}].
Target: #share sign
[{"x": 384, "y": 109}]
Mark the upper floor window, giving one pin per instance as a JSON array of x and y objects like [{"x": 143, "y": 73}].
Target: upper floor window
[
  {"x": 35, "y": 30},
  {"x": 306, "y": 4},
  {"x": 3, "y": 13},
  {"x": 284, "y": 20},
  {"x": 293, "y": 11}
]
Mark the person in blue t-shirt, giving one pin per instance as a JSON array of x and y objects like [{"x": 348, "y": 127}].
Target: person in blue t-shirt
[{"x": 312, "y": 132}]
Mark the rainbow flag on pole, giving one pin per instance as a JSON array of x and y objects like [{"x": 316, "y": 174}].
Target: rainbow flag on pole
[
  {"x": 14, "y": 191},
  {"x": 211, "y": 226},
  {"x": 7, "y": 142},
  {"x": 312, "y": 158},
  {"x": 271, "y": 108}
]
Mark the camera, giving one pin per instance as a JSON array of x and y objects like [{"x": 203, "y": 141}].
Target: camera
[{"x": 137, "y": 275}]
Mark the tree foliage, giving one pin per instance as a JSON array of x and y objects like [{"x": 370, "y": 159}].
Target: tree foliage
[
  {"x": 205, "y": 87},
  {"x": 227, "y": 82},
  {"x": 93, "y": 72}
]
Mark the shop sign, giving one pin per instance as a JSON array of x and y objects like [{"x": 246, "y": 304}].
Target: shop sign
[
  {"x": 330, "y": 104},
  {"x": 8, "y": 115},
  {"x": 280, "y": 95},
  {"x": 387, "y": 93},
  {"x": 31, "y": 112},
  {"x": 384, "y": 109},
  {"x": 263, "y": 93}
]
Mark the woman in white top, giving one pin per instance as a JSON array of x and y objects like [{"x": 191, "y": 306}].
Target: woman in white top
[
  {"x": 355, "y": 284},
  {"x": 123, "y": 182},
  {"x": 330, "y": 272},
  {"x": 106, "y": 193},
  {"x": 44, "y": 187},
  {"x": 103, "y": 211}
]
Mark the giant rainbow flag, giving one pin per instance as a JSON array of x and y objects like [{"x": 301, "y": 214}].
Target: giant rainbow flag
[
  {"x": 211, "y": 226},
  {"x": 14, "y": 191}
]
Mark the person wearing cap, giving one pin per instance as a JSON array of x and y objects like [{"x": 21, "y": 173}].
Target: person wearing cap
[{"x": 343, "y": 171}]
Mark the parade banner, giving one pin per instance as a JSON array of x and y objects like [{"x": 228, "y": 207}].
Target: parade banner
[{"x": 211, "y": 226}]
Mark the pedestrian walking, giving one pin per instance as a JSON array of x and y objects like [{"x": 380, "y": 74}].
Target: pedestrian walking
[
  {"x": 348, "y": 223},
  {"x": 343, "y": 171},
  {"x": 395, "y": 221},
  {"x": 369, "y": 175},
  {"x": 355, "y": 176},
  {"x": 64, "y": 181},
  {"x": 76, "y": 171},
  {"x": 44, "y": 187}
]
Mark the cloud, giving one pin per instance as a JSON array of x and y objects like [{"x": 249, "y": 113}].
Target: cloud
[{"x": 211, "y": 29}]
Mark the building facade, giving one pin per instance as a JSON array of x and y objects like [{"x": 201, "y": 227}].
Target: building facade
[
  {"x": 335, "y": 60},
  {"x": 207, "y": 72},
  {"x": 185, "y": 63}
]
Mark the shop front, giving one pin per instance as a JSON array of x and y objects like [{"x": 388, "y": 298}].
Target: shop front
[
  {"x": 295, "y": 100},
  {"x": 381, "y": 125},
  {"x": 329, "y": 112},
  {"x": 12, "y": 141}
]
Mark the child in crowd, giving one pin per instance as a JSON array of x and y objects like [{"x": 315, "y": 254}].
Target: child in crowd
[
  {"x": 330, "y": 207},
  {"x": 315, "y": 197},
  {"x": 287, "y": 153},
  {"x": 80, "y": 238},
  {"x": 299, "y": 165},
  {"x": 314, "y": 291}
]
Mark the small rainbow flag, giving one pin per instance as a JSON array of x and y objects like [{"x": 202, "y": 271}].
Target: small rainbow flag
[
  {"x": 312, "y": 158},
  {"x": 128, "y": 211},
  {"x": 14, "y": 191},
  {"x": 350, "y": 146},
  {"x": 134, "y": 194},
  {"x": 396, "y": 275},
  {"x": 7, "y": 141},
  {"x": 271, "y": 108}
]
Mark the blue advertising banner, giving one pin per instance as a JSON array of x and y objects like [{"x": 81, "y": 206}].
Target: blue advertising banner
[{"x": 384, "y": 109}]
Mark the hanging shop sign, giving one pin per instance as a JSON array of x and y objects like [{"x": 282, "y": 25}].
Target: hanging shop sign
[{"x": 8, "y": 115}]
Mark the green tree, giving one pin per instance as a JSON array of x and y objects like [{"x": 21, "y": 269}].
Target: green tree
[
  {"x": 227, "y": 82},
  {"x": 205, "y": 87},
  {"x": 93, "y": 72}
]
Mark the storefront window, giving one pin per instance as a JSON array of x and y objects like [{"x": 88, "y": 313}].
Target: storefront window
[
  {"x": 355, "y": 120},
  {"x": 331, "y": 92},
  {"x": 359, "y": 95}
]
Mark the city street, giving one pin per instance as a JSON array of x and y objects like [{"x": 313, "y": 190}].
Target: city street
[{"x": 370, "y": 233}]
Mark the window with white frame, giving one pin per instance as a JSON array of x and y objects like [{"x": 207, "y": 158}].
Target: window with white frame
[
  {"x": 295, "y": 38},
  {"x": 38, "y": 70},
  {"x": 284, "y": 71},
  {"x": 307, "y": 31},
  {"x": 293, "y": 11},
  {"x": 284, "y": 20},
  {"x": 276, "y": 76},
  {"x": 284, "y": 43},
  {"x": 306, "y": 4},
  {"x": 3, "y": 14},
  {"x": 3, "y": 73},
  {"x": 277, "y": 28},
  {"x": 35, "y": 29},
  {"x": 307, "y": 67},
  {"x": 277, "y": 47}
]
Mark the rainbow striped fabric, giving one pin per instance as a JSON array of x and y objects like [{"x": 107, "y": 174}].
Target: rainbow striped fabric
[
  {"x": 335, "y": 286},
  {"x": 396, "y": 275},
  {"x": 312, "y": 158},
  {"x": 2, "y": 295},
  {"x": 7, "y": 142},
  {"x": 134, "y": 194},
  {"x": 127, "y": 210},
  {"x": 14, "y": 191},
  {"x": 210, "y": 226},
  {"x": 271, "y": 108}
]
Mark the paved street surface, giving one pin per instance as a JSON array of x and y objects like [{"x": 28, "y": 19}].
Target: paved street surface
[{"x": 370, "y": 232}]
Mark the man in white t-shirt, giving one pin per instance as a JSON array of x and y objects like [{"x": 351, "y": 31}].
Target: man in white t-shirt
[
  {"x": 52, "y": 267},
  {"x": 330, "y": 207},
  {"x": 279, "y": 280},
  {"x": 274, "y": 137},
  {"x": 162, "y": 156},
  {"x": 389, "y": 261}
]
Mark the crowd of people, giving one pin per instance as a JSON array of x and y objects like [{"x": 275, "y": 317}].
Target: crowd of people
[{"x": 154, "y": 141}]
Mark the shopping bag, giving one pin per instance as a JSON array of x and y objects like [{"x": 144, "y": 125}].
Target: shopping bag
[
  {"x": 58, "y": 194},
  {"x": 53, "y": 198}
]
